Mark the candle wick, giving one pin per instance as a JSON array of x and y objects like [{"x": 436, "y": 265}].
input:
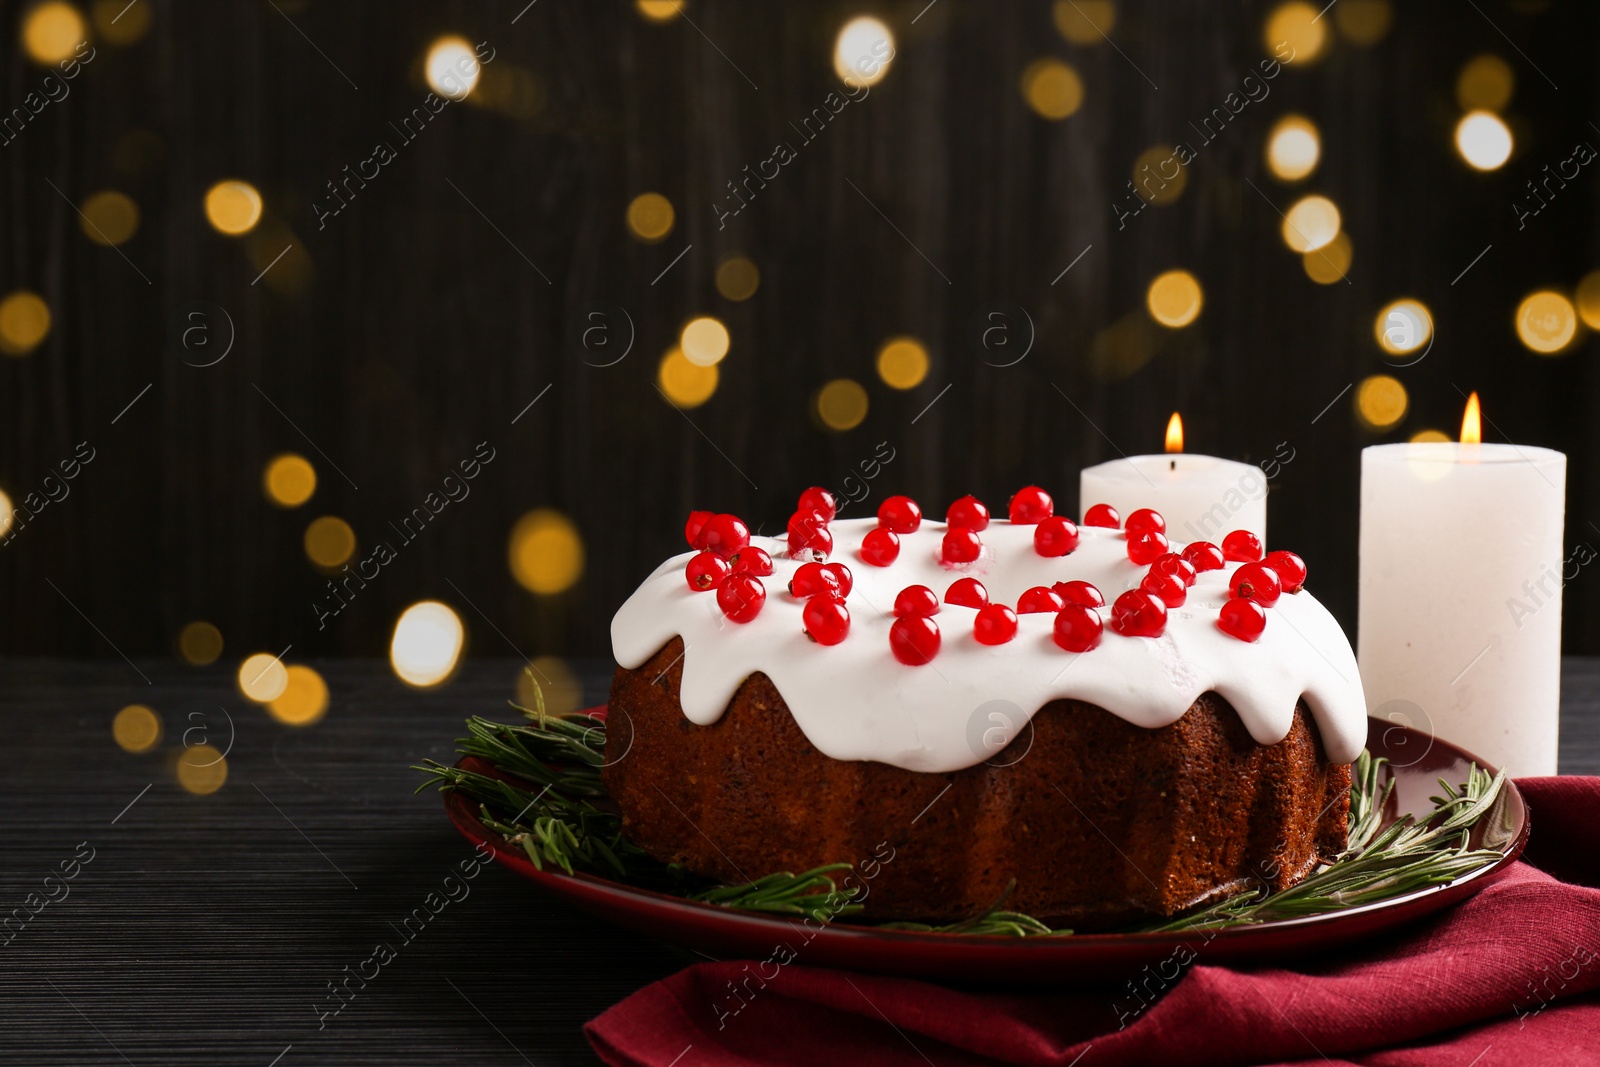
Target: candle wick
[{"x": 1172, "y": 465}]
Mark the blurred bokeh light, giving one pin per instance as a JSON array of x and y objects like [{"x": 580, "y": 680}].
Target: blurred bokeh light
[
  {"x": 136, "y": 728},
  {"x": 52, "y": 32},
  {"x": 704, "y": 341},
  {"x": 304, "y": 698},
  {"x": 24, "y": 322},
  {"x": 842, "y": 404},
  {"x": 262, "y": 677},
  {"x": 1174, "y": 298},
  {"x": 233, "y": 207},
  {"x": 200, "y": 643},
  {"x": 289, "y": 480},
  {"x": 1293, "y": 148},
  {"x": 546, "y": 552},
  {"x": 685, "y": 384},
  {"x": 902, "y": 363},
  {"x": 427, "y": 642},
  {"x": 1381, "y": 401},
  {"x": 863, "y": 51},
  {"x": 650, "y": 217},
  {"x": 1546, "y": 322},
  {"x": 1483, "y": 140}
]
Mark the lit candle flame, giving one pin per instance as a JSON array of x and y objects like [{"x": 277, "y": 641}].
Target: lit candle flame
[
  {"x": 1175, "y": 433},
  {"x": 1472, "y": 422}
]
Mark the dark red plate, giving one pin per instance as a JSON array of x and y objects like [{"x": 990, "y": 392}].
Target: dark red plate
[{"x": 1416, "y": 760}]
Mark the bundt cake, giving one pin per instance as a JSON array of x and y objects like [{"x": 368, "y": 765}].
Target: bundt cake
[{"x": 1087, "y": 721}]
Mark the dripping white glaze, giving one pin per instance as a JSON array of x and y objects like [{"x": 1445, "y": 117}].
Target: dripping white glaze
[{"x": 855, "y": 701}]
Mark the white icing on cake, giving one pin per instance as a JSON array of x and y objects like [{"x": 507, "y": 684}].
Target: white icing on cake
[{"x": 855, "y": 701}]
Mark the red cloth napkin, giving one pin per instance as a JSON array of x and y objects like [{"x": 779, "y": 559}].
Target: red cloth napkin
[{"x": 1511, "y": 976}]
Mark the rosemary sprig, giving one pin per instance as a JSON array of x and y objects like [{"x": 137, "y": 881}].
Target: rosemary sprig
[{"x": 560, "y": 822}]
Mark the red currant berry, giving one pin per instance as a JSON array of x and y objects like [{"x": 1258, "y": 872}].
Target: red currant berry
[
  {"x": 1079, "y": 593},
  {"x": 752, "y": 560},
  {"x": 826, "y": 620},
  {"x": 1031, "y": 505},
  {"x": 1103, "y": 515},
  {"x": 917, "y": 600},
  {"x": 705, "y": 570},
  {"x": 741, "y": 597},
  {"x": 808, "y": 532},
  {"x": 1147, "y": 547},
  {"x": 697, "y": 522},
  {"x": 960, "y": 545},
  {"x": 1244, "y": 619},
  {"x": 1145, "y": 519},
  {"x": 1258, "y": 582},
  {"x": 1203, "y": 556},
  {"x": 880, "y": 547},
  {"x": 724, "y": 535},
  {"x": 995, "y": 625},
  {"x": 1055, "y": 536},
  {"x": 819, "y": 500},
  {"x": 1078, "y": 628},
  {"x": 969, "y": 512},
  {"x": 1291, "y": 570},
  {"x": 1139, "y": 614},
  {"x": 914, "y": 640},
  {"x": 842, "y": 575},
  {"x": 1039, "y": 598},
  {"x": 1241, "y": 546},
  {"x": 812, "y": 579},
  {"x": 900, "y": 514},
  {"x": 1175, "y": 565},
  {"x": 967, "y": 592},
  {"x": 1169, "y": 587}
]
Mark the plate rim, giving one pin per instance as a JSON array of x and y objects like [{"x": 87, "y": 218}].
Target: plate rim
[{"x": 463, "y": 815}]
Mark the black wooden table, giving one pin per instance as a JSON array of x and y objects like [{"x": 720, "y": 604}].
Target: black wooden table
[{"x": 209, "y": 929}]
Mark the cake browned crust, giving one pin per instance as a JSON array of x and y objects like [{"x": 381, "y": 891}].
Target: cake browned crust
[{"x": 1100, "y": 822}]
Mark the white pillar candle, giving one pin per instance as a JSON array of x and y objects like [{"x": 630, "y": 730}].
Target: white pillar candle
[
  {"x": 1461, "y": 572},
  {"x": 1203, "y": 498}
]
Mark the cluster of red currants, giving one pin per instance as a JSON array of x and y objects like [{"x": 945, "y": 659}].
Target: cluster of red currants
[
  {"x": 727, "y": 562},
  {"x": 914, "y": 637},
  {"x": 1254, "y": 587}
]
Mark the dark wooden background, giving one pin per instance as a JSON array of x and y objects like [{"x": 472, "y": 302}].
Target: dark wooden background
[{"x": 410, "y": 329}]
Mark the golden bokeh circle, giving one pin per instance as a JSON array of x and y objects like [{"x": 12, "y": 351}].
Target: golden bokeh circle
[
  {"x": 1485, "y": 83},
  {"x": 451, "y": 67},
  {"x": 136, "y": 728},
  {"x": 738, "y": 278},
  {"x": 1546, "y": 322},
  {"x": 7, "y": 512},
  {"x": 1158, "y": 176},
  {"x": 109, "y": 217},
  {"x": 650, "y": 217},
  {"x": 200, "y": 643},
  {"x": 427, "y": 644},
  {"x": 1310, "y": 223},
  {"x": 121, "y": 23},
  {"x": 1422, "y": 437},
  {"x": 546, "y": 552},
  {"x": 1297, "y": 25},
  {"x": 329, "y": 541},
  {"x": 842, "y": 404},
  {"x": 1174, "y": 298},
  {"x": 1052, "y": 88},
  {"x": 1085, "y": 21},
  {"x": 1403, "y": 326},
  {"x": 704, "y": 341},
  {"x": 201, "y": 770},
  {"x": 262, "y": 677},
  {"x": 1294, "y": 148},
  {"x": 1587, "y": 298},
  {"x": 24, "y": 322},
  {"x": 52, "y": 32},
  {"x": 1363, "y": 22},
  {"x": 863, "y": 51},
  {"x": 659, "y": 10},
  {"x": 902, "y": 363},
  {"x": 233, "y": 207},
  {"x": 1483, "y": 140},
  {"x": 1381, "y": 401},
  {"x": 685, "y": 384},
  {"x": 289, "y": 480},
  {"x": 304, "y": 698},
  {"x": 1331, "y": 262}
]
